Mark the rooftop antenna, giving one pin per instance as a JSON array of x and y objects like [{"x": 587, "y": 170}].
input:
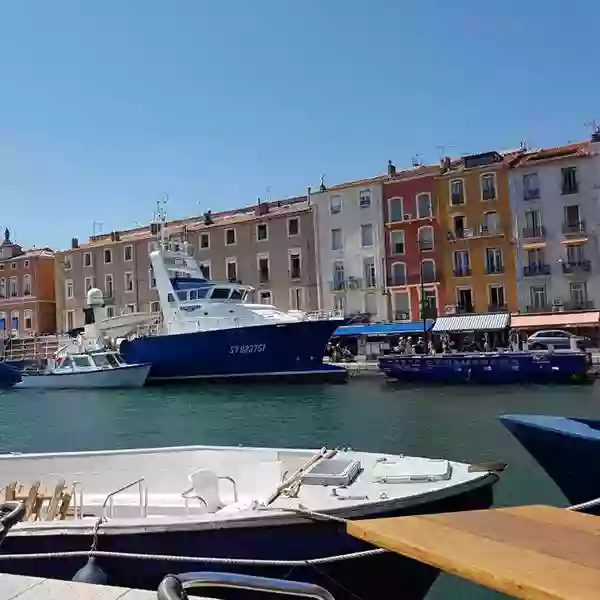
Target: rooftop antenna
[
  {"x": 97, "y": 225},
  {"x": 595, "y": 125},
  {"x": 268, "y": 194},
  {"x": 322, "y": 184},
  {"x": 416, "y": 160}
]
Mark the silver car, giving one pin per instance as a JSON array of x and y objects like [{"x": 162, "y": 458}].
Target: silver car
[{"x": 540, "y": 340}]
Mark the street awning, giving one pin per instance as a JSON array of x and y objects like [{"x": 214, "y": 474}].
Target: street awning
[
  {"x": 558, "y": 319},
  {"x": 375, "y": 329},
  {"x": 485, "y": 322}
]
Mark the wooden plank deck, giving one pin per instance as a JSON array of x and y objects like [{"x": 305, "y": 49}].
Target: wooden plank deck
[
  {"x": 18, "y": 587},
  {"x": 529, "y": 552}
]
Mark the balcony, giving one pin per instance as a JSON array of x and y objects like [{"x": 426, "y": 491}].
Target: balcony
[
  {"x": 425, "y": 245},
  {"x": 461, "y": 271},
  {"x": 536, "y": 269},
  {"x": 463, "y": 309},
  {"x": 577, "y": 266},
  {"x": 488, "y": 194},
  {"x": 494, "y": 269},
  {"x": 573, "y": 228},
  {"x": 413, "y": 279},
  {"x": 337, "y": 285},
  {"x": 457, "y": 199},
  {"x": 538, "y": 308},
  {"x": 569, "y": 187},
  {"x": 537, "y": 232},
  {"x": 497, "y": 308},
  {"x": 579, "y": 305},
  {"x": 401, "y": 316},
  {"x": 533, "y": 194}
]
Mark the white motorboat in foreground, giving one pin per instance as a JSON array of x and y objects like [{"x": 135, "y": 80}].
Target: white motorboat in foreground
[
  {"x": 261, "y": 511},
  {"x": 86, "y": 370}
]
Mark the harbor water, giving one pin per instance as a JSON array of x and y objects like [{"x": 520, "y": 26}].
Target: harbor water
[{"x": 367, "y": 414}]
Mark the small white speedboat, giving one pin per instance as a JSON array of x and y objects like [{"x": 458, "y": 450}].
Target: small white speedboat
[{"x": 99, "y": 369}]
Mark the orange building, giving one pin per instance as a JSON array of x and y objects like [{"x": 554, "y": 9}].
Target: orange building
[
  {"x": 476, "y": 244},
  {"x": 27, "y": 300}
]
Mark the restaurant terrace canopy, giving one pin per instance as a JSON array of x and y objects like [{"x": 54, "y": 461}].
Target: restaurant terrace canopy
[
  {"x": 558, "y": 320},
  {"x": 465, "y": 323}
]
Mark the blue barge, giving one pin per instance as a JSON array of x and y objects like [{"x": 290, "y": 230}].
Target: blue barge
[{"x": 488, "y": 367}]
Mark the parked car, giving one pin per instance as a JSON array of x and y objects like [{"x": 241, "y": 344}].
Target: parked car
[{"x": 540, "y": 340}]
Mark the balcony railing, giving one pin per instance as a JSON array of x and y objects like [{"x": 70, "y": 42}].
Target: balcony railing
[
  {"x": 462, "y": 271},
  {"x": 569, "y": 188},
  {"x": 538, "y": 308},
  {"x": 494, "y": 269},
  {"x": 263, "y": 277},
  {"x": 569, "y": 228},
  {"x": 536, "y": 269},
  {"x": 425, "y": 245},
  {"x": 337, "y": 285},
  {"x": 534, "y": 232},
  {"x": 401, "y": 315},
  {"x": 413, "y": 279},
  {"x": 579, "y": 305},
  {"x": 577, "y": 266},
  {"x": 465, "y": 308},
  {"x": 457, "y": 199},
  {"x": 475, "y": 232},
  {"x": 489, "y": 194},
  {"x": 532, "y": 194},
  {"x": 495, "y": 307}
]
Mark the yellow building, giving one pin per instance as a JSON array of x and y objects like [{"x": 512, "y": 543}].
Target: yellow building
[{"x": 475, "y": 217}]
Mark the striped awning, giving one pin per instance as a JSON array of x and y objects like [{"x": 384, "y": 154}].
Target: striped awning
[{"x": 485, "y": 322}]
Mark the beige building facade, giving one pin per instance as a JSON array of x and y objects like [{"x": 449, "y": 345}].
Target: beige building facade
[{"x": 269, "y": 246}]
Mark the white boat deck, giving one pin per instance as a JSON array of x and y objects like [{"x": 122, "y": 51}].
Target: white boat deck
[{"x": 19, "y": 587}]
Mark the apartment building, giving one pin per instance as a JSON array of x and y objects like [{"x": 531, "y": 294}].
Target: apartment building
[
  {"x": 412, "y": 234},
  {"x": 350, "y": 256},
  {"x": 27, "y": 301},
  {"x": 270, "y": 247},
  {"x": 555, "y": 195},
  {"x": 476, "y": 243}
]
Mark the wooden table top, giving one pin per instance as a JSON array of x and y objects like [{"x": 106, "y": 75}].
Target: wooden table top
[{"x": 529, "y": 552}]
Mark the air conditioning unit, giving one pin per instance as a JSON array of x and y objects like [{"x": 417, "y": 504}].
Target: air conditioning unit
[
  {"x": 557, "y": 308},
  {"x": 557, "y": 302},
  {"x": 449, "y": 309},
  {"x": 408, "y": 216}
]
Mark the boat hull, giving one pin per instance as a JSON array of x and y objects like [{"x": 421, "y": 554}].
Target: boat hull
[
  {"x": 567, "y": 449},
  {"x": 265, "y": 351},
  {"x": 9, "y": 376},
  {"x": 494, "y": 369},
  {"x": 129, "y": 376},
  {"x": 369, "y": 578}
]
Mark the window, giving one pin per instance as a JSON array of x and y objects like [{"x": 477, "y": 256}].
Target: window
[
  {"x": 457, "y": 192},
  {"x": 129, "y": 281},
  {"x": 230, "y": 237},
  {"x": 128, "y": 253},
  {"x": 14, "y": 287},
  {"x": 533, "y": 224},
  {"x": 579, "y": 294},
  {"x": 575, "y": 254},
  {"x": 429, "y": 304},
  {"x": 364, "y": 198},
  {"x": 488, "y": 186},
  {"x": 428, "y": 271},
  {"x": 263, "y": 268},
  {"x": 339, "y": 277},
  {"x": 293, "y": 227},
  {"x": 370, "y": 303},
  {"x": 397, "y": 242},
  {"x": 14, "y": 320},
  {"x": 70, "y": 320},
  {"x": 262, "y": 233},
  {"x": 569, "y": 180},
  {"x": 296, "y": 298},
  {"x": 336, "y": 239},
  {"x": 493, "y": 261},
  {"x": 13, "y": 265},
  {"x": 339, "y": 303},
  {"x": 204, "y": 241},
  {"x": 151, "y": 278},
  {"x": 396, "y": 207},
  {"x": 464, "y": 297},
  {"x": 424, "y": 207},
  {"x": 154, "y": 307},
  {"x": 366, "y": 235},
  {"x": 205, "y": 268},
  {"x": 425, "y": 237},
  {"x": 108, "y": 256},
  {"x": 28, "y": 319},
  {"x": 335, "y": 204},
  {"x": 531, "y": 186},
  {"x": 538, "y": 297},
  {"x": 459, "y": 223},
  {"x": 491, "y": 223},
  {"x": 131, "y": 308},
  {"x": 369, "y": 272},
  {"x": 68, "y": 265},
  {"x": 110, "y": 311},
  {"x": 295, "y": 264},
  {"x": 3, "y": 288},
  {"x": 231, "y": 269},
  {"x": 69, "y": 288},
  {"x": 496, "y": 297},
  {"x": 398, "y": 274},
  {"x": 573, "y": 223},
  {"x": 462, "y": 263},
  {"x": 265, "y": 297},
  {"x": 27, "y": 285},
  {"x": 535, "y": 257},
  {"x": 26, "y": 264},
  {"x": 401, "y": 304},
  {"x": 108, "y": 286},
  {"x": 88, "y": 284}
]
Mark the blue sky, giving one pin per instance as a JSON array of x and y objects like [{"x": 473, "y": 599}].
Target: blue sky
[{"x": 107, "y": 105}]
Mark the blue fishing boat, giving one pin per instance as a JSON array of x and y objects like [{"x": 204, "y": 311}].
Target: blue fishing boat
[
  {"x": 212, "y": 330},
  {"x": 567, "y": 449},
  {"x": 9, "y": 376},
  {"x": 487, "y": 367}
]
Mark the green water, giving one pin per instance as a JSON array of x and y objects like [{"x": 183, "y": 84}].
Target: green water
[{"x": 367, "y": 414}]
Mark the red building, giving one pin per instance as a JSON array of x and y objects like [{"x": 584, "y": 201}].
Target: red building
[{"x": 411, "y": 235}]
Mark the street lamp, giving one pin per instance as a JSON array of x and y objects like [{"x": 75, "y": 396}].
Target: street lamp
[{"x": 423, "y": 301}]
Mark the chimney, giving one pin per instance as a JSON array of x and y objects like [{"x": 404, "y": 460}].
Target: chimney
[
  {"x": 74, "y": 243},
  {"x": 391, "y": 169},
  {"x": 208, "y": 220},
  {"x": 261, "y": 208},
  {"x": 445, "y": 164}
]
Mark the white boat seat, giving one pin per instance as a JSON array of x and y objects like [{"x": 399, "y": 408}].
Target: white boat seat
[{"x": 205, "y": 487}]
